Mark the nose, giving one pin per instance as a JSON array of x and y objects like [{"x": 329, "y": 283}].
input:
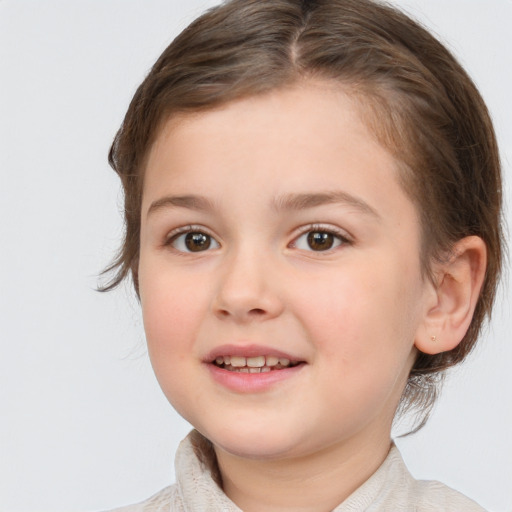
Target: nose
[{"x": 248, "y": 289}]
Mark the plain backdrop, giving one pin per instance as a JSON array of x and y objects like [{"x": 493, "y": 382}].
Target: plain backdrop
[{"x": 84, "y": 425}]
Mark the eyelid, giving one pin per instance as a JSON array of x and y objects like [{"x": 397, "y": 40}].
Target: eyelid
[
  {"x": 342, "y": 235},
  {"x": 188, "y": 228},
  {"x": 172, "y": 235},
  {"x": 324, "y": 228}
]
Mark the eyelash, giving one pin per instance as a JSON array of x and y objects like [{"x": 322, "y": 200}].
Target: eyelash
[
  {"x": 341, "y": 236},
  {"x": 337, "y": 234},
  {"x": 174, "y": 235}
]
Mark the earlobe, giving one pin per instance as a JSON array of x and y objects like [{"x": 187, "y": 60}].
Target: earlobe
[{"x": 459, "y": 281}]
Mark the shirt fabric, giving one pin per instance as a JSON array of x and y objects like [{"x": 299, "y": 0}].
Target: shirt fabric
[{"x": 390, "y": 489}]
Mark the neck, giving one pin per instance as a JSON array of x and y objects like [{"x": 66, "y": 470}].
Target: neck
[{"x": 309, "y": 483}]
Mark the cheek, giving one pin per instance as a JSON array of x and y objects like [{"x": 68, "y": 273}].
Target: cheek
[
  {"x": 342, "y": 305},
  {"x": 364, "y": 317},
  {"x": 361, "y": 344},
  {"x": 171, "y": 312}
]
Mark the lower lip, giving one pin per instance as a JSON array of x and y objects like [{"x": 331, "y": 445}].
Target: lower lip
[{"x": 252, "y": 382}]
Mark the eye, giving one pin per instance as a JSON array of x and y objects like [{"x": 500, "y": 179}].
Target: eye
[
  {"x": 193, "y": 241},
  {"x": 319, "y": 240}
]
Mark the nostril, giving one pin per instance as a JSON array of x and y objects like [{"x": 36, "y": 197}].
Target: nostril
[{"x": 252, "y": 313}]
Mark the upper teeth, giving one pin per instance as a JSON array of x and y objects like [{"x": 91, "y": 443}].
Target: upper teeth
[{"x": 252, "y": 362}]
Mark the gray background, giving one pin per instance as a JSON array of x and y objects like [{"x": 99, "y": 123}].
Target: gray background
[{"x": 83, "y": 423}]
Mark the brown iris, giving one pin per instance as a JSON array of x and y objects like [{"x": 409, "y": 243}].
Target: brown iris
[
  {"x": 196, "y": 242},
  {"x": 320, "y": 240}
]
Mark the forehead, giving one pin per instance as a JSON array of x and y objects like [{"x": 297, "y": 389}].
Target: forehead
[
  {"x": 315, "y": 117},
  {"x": 307, "y": 138}
]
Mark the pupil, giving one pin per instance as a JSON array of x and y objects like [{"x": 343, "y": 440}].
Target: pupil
[
  {"x": 196, "y": 242},
  {"x": 320, "y": 241}
]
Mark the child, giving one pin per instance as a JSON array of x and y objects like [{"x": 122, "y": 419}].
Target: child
[{"x": 312, "y": 205}]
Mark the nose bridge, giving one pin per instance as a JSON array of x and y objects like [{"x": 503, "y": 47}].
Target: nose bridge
[{"x": 246, "y": 289}]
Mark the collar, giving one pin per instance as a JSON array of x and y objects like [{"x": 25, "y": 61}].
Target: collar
[{"x": 199, "y": 491}]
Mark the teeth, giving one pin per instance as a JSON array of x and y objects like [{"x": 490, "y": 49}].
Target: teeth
[
  {"x": 272, "y": 360},
  {"x": 256, "y": 362},
  {"x": 238, "y": 361}
]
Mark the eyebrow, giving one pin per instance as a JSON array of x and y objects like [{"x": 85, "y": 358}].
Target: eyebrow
[
  {"x": 192, "y": 202},
  {"x": 305, "y": 201},
  {"x": 285, "y": 202}
]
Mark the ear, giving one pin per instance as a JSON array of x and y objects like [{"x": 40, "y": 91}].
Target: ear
[{"x": 454, "y": 298}]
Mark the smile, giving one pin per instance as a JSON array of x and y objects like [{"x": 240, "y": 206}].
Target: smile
[{"x": 257, "y": 364}]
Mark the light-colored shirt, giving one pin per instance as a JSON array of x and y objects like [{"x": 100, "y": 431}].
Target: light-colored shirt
[{"x": 390, "y": 489}]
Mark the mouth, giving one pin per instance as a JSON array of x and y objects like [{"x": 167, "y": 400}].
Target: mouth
[
  {"x": 250, "y": 368},
  {"x": 254, "y": 364}
]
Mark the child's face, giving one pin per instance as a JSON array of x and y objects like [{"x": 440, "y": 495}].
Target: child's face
[{"x": 301, "y": 245}]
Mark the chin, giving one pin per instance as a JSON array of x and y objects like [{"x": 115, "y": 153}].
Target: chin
[
  {"x": 246, "y": 449},
  {"x": 264, "y": 444}
]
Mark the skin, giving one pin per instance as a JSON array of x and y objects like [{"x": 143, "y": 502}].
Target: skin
[{"x": 353, "y": 314}]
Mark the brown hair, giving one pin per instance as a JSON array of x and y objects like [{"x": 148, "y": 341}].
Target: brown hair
[{"x": 417, "y": 99}]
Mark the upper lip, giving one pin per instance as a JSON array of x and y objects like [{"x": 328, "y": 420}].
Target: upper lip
[{"x": 248, "y": 351}]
